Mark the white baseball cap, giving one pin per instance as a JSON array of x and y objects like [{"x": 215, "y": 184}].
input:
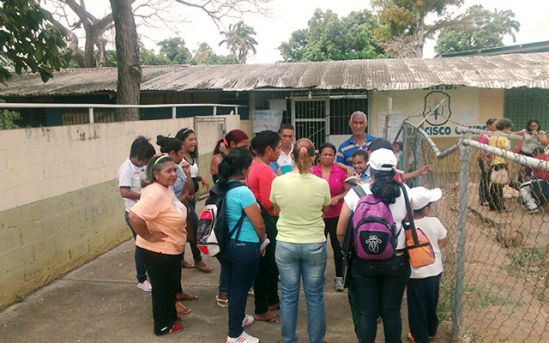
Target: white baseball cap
[
  {"x": 383, "y": 160},
  {"x": 422, "y": 196}
]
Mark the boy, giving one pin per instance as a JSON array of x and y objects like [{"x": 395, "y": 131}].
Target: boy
[
  {"x": 423, "y": 286},
  {"x": 129, "y": 182}
]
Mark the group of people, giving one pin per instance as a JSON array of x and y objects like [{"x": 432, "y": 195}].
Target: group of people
[
  {"x": 532, "y": 183},
  {"x": 285, "y": 205}
]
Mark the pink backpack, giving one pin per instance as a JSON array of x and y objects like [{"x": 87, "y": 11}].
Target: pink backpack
[{"x": 374, "y": 228}]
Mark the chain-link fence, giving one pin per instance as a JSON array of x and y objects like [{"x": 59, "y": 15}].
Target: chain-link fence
[{"x": 496, "y": 265}]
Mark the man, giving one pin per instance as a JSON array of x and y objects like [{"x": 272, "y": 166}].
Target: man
[
  {"x": 285, "y": 162},
  {"x": 359, "y": 140}
]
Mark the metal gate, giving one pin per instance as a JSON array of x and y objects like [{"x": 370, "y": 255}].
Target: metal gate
[{"x": 311, "y": 118}]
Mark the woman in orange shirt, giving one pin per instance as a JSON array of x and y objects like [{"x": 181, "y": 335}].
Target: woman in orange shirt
[{"x": 159, "y": 220}]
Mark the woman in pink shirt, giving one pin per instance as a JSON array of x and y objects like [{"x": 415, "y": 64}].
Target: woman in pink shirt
[
  {"x": 159, "y": 220},
  {"x": 266, "y": 147},
  {"x": 335, "y": 175}
]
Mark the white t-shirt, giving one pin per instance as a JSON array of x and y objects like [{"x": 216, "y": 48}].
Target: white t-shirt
[
  {"x": 129, "y": 175},
  {"x": 398, "y": 209},
  {"x": 285, "y": 159},
  {"x": 435, "y": 231}
]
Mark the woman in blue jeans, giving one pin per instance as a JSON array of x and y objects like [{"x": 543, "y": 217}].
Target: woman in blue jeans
[
  {"x": 302, "y": 198},
  {"x": 240, "y": 257},
  {"x": 379, "y": 285}
]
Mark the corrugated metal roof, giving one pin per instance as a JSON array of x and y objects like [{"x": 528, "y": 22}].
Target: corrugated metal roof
[{"x": 502, "y": 71}]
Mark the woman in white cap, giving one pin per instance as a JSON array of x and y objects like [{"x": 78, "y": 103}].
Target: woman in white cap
[
  {"x": 424, "y": 284},
  {"x": 379, "y": 284}
]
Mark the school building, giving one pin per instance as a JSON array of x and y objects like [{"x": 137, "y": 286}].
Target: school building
[
  {"x": 61, "y": 205},
  {"x": 317, "y": 97}
]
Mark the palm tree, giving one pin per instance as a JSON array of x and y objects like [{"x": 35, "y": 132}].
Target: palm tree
[
  {"x": 504, "y": 20},
  {"x": 240, "y": 41}
]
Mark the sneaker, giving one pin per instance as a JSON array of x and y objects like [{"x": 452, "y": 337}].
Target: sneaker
[
  {"x": 243, "y": 338},
  {"x": 339, "y": 286},
  {"x": 533, "y": 210},
  {"x": 174, "y": 329},
  {"x": 145, "y": 286},
  {"x": 248, "y": 321}
]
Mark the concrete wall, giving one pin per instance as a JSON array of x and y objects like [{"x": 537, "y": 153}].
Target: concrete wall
[
  {"x": 60, "y": 205},
  {"x": 468, "y": 106}
]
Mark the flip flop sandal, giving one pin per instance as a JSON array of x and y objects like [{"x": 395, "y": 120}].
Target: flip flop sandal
[
  {"x": 186, "y": 296},
  {"x": 182, "y": 309},
  {"x": 221, "y": 302},
  {"x": 203, "y": 267},
  {"x": 272, "y": 319},
  {"x": 187, "y": 265}
]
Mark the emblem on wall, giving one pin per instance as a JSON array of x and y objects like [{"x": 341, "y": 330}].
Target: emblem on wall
[{"x": 436, "y": 110}]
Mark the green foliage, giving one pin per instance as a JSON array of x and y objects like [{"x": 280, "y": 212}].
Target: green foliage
[
  {"x": 402, "y": 23},
  {"x": 240, "y": 41},
  {"x": 8, "y": 119},
  {"x": 150, "y": 57},
  {"x": 175, "y": 50},
  {"x": 28, "y": 41},
  {"x": 206, "y": 55},
  {"x": 328, "y": 37},
  {"x": 479, "y": 29}
]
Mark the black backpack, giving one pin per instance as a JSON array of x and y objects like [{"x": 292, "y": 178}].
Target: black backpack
[{"x": 213, "y": 231}]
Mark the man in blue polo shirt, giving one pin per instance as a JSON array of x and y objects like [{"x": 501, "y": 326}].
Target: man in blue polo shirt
[{"x": 359, "y": 140}]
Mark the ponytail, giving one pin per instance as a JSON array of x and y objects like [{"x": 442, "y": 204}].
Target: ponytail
[
  {"x": 304, "y": 149},
  {"x": 384, "y": 187}
]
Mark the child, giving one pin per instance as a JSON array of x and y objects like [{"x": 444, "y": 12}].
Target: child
[
  {"x": 360, "y": 165},
  {"x": 129, "y": 182},
  {"x": 424, "y": 283}
]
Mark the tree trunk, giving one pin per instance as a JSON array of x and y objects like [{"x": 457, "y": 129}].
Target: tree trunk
[
  {"x": 420, "y": 34},
  {"x": 127, "y": 55},
  {"x": 89, "y": 58}
]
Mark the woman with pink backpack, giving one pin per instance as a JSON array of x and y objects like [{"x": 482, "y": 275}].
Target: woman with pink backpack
[{"x": 380, "y": 268}]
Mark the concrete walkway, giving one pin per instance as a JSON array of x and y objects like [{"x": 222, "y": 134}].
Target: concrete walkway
[{"x": 99, "y": 302}]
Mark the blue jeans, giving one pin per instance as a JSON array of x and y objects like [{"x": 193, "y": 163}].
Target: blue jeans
[
  {"x": 380, "y": 287},
  {"x": 307, "y": 261},
  {"x": 241, "y": 260},
  {"x": 139, "y": 262}
]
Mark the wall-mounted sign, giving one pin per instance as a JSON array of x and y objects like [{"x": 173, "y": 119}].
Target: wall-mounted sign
[
  {"x": 436, "y": 108},
  {"x": 267, "y": 120}
]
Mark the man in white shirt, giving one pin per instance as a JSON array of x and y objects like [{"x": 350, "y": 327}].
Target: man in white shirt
[
  {"x": 285, "y": 161},
  {"x": 129, "y": 183}
]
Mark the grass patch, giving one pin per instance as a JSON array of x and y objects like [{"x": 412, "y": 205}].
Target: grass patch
[
  {"x": 477, "y": 299},
  {"x": 530, "y": 260},
  {"x": 446, "y": 299}
]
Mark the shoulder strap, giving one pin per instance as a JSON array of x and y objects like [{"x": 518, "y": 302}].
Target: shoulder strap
[
  {"x": 359, "y": 191},
  {"x": 410, "y": 225}
]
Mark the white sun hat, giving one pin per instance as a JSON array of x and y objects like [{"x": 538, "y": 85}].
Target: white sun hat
[{"x": 422, "y": 196}]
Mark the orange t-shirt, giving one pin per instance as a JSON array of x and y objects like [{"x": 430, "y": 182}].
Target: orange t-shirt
[{"x": 161, "y": 211}]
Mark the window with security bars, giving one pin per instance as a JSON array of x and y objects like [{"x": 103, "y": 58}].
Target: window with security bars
[
  {"x": 524, "y": 104},
  {"x": 340, "y": 112}
]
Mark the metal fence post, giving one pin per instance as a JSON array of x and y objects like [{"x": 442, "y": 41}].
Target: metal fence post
[
  {"x": 174, "y": 112},
  {"x": 457, "y": 313},
  {"x": 90, "y": 115}
]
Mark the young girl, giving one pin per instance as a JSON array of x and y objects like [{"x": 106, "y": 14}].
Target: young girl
[{"x": 424, "y": 284}]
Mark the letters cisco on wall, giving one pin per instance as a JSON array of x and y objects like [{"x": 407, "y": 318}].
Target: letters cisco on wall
[{"x": 444, "y": 106}]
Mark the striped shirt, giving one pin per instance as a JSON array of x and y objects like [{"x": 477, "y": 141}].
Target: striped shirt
[{"x": 349, "y": 146}]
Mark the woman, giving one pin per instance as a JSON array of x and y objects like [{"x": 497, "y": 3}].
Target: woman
[
  {"x": 181, "y": 188},
  {"x": 266, "y": 146},
  {"x": 484, "y": 162},
  {"x": 233, "y": 139},
  {"x": 534, "y": 138},
  {"x": 241, "y": 254},
  {"x": 159, "y": 220},
  {"x": 190, "y": 154},
  {"x": 302, "y": 199},
  {"x": 503, "y": 126},
  {"x": 379, "y": 284},
  {"x": 335, "y": 175}
]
